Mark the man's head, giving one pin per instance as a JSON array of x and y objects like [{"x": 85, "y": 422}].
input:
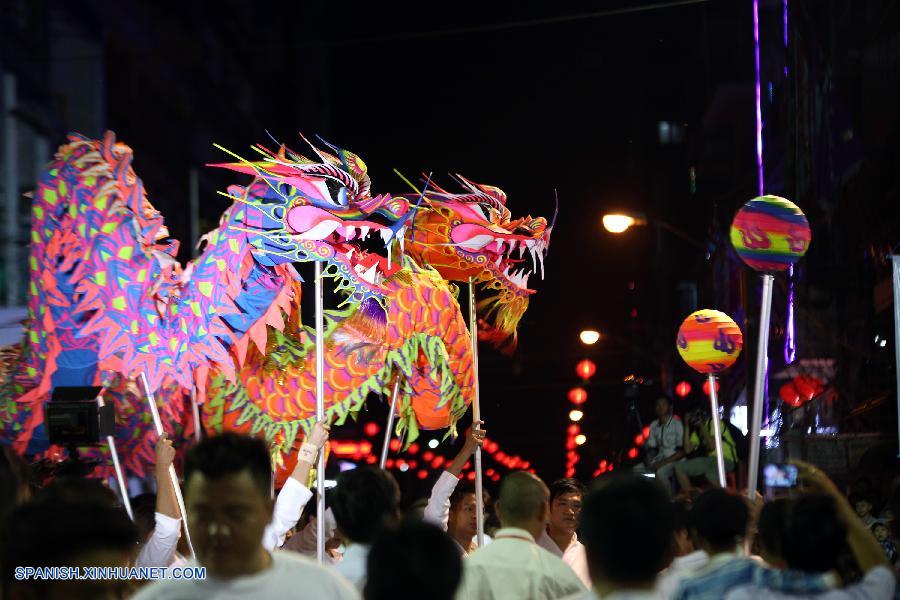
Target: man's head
[
  {"x": 461, "y": 523},
  {"x": 719, "y": 521},
  {"x": 365, "y": 501},
  {"x": 663, "y": 407},
  {"x": 566, "y": 497},
  {"x": 227, "y": 481},
  {"x": 143, "y": 509},
  {"x": 55, "y": 533},
  {"x": 524, "y": 502},
  {"x": 814, "y": 537},
  {"x": 862, "y": 504},
  {"x": 771, "y": 527},
  {"x": 430, "y": 562},
  {"x": 681, "y": 537},
  {"x": 626, "y": 528}
]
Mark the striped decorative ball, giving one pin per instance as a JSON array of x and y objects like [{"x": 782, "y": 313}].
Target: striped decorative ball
[
  {"x": 709, "y": 341},
  {"x": 770, "y": 233}
]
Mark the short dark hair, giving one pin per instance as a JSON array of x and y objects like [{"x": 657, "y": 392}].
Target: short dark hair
[
  {"x": 815, "y": 536},
  {"x": 772, "y": 525},
  {"x": 627, "y": 527},
  {"x": 77, "y": 489},
  {"x": 365, "y": 501},
  {"x": 568, "y": 485},
  {"x": 720, "y": 518},
  {"x": 230, "y": 454},
  {"x": 462, "y": 489},
  {"x": 665, "y": 397},
  {"x": 53, "y": 533},
  {"x": 143, "y": 509},
  {"x": 430, "y": 562}
]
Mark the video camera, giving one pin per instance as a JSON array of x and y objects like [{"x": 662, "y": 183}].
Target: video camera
[{"x": 76, "y": 416}]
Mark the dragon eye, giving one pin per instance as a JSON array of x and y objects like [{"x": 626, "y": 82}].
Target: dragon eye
[{"x": 337, "y": 191}]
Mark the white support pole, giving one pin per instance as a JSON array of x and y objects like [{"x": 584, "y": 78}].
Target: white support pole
[
  {"x": 173, "y": 476},
  {"x": 120, "y": 476},
  {"x": 476, "y": 416},
  {"x": 388, "y": 432},
  {"x": 896, "y": 262},
  {"x": 717, "y": 427},
  {"x": 762, "y": 360},
  {"x": 10, "y": 189},
  {"x": 320, "y": 413},
  {"x": 195, "y": 410}
]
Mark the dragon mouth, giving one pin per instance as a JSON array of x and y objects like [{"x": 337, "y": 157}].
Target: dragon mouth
[
  {"x": 511, "y": 257},
  {"x": 313, "y": 223}
]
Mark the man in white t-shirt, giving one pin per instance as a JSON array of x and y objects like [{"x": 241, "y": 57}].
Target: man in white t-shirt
[
  {"x": 559, "y": 538},
  {"x": 664, "y": 442},
  {"x": 513, "y": 566},
  {"x": 228, "y": 502},
  {"x": 451, "y": 506}
]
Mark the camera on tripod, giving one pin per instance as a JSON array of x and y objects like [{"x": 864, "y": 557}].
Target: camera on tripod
[{"x": 77, "y": 416}]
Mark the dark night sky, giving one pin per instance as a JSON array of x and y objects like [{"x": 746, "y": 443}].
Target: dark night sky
[{"x": 572, "y": 106}]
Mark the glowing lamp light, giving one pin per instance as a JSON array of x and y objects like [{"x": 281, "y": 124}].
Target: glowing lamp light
[
  {"x": 370, "y": 460},
  {"x": 427, "y": 456},
  {"x": 706, "y": 386},
  {"x": 638, "y": 440},
  {"x": 490, "y": 472},
  {"x": 632, "y": 453},
  {"x": 422, "y": 474},
  {"x": 586, "y": 369},
  {"x": 570, "y": 472},
  {"x": 389, "y": 463},
  {"x": 682, "y": 389},
  {"x": 618, "y": 223},
  {"x": 433, "y": 444},
  {"x": 589, "y": 337},
  {"x": 394, "y": 445},
  {"x": 573, "y": 429},
  {"x": 437, "y": 462},
  {"x": 570, "y": 444},
  {"x": 603, "y": 464},
  {"x": 371, "y": 429},
  {"x": 578, "y": 395},
  {"x": 580, "y": 439},
  {"x": 575, "y": 415},
  {"x": 413, "y": 464},
  {"x": 471, "y": 476},
  {"x": 413, "y": 448}
]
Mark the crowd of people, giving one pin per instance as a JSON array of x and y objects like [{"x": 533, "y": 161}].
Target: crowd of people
[{"x": 624, "y": 536}]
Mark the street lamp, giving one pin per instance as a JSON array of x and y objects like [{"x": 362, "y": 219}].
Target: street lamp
[
  {"x": 620, "y": 222},
  {"x": 575, "y": 415},
  {"x": 589, "y": 337}
]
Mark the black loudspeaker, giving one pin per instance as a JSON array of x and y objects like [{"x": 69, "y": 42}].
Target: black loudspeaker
[{"x": 74, "y": 417}]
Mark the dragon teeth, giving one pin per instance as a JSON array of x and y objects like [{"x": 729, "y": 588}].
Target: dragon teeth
[
  {"x": 530, "y": 244},
  {"x": 521, "y": 250},
  {"x": 364, "y": 232},
  {"x": 385, "y": 234}
]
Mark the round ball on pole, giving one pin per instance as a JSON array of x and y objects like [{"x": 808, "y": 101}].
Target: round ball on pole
[
  {"x": 770, "y": 233},
  {"x": 709, "y": 341}
]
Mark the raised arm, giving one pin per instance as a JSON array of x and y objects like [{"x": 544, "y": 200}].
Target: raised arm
[
  {"x": 160, "y": 548},
  {"x": 294, "y": 495},
  {"x": 438, "y": 509}
]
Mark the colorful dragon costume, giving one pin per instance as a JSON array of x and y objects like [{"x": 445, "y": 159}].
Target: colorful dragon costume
[
  {"x": 108, "y": 298},
  {"x": 473, "y": 235}
]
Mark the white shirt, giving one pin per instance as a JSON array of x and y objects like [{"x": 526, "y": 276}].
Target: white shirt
[
  {"x": 668, "y": 437},
  {"x": 573, "y": 555},
  {"x": 289, "y": 576},
  {"x": 160, "y": 548},
  {"x": 878, "y": 584},
  {"x": 669, "y": 579},
  {"x": 513, "y": 566},
  {"x": 437, "y": 511},
  {"x": 288, "y": 507},
  {"x": 353, "y": 565}
]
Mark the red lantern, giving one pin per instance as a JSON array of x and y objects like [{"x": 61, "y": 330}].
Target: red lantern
[
  {"x": 389, "y": 463},
  {"x": 682, "y": 389},
  {"x": 427, "y": 456},
  {"x": 471, "y": 476},
  {"x": 437, "y": 462},
  {"x": 790, "y": 395},
  {"x": 371, "y": 459},
  {"x": 586, "y": 368},
  {"x": 573, "y": 429},
  {"x": 422, "y": 474},
  {"x": 413, "y": 448},
  {"x": 578, "y": 395},
  {"x": 394, "y": 445},
  {"x": 570, "y": 472},
  {"x": 808, "y": 387},
  {"x": 638, "y": 440},
  {"x": 371, "y": 429},
  {"x": 603, "y": 464},
  {"x": 633, "y": 453},
  {"x": 706, "y": 386}
]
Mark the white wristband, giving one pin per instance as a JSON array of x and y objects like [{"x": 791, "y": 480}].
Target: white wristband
[{"x": 308, "y": 453}]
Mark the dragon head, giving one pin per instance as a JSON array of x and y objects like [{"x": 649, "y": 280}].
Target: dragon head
[
  {"x": 321, "y": 210},
  {"x": 473, "y": 235}
]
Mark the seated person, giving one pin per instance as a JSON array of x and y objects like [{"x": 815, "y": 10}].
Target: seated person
[
  {"x": 665, "y": 442},
  {"x": 700, "y": 445}
]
